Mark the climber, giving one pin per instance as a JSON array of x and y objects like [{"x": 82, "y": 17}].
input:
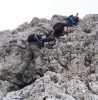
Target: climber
[
  {"x": 32, "y": 60},
  {"x": 77, "y": 19},
  {"x": 72, "y": 20},
  {"x": 59, "y": 29},
  {"x": 27, "y": 74}
]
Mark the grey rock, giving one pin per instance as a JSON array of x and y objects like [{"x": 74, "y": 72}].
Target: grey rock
[{"x": 70, "y": 68}]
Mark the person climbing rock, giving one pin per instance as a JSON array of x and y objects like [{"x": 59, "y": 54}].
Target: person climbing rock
[
  {"x": 59, "y": 29},
  {"x": 32, "y": 60},
  {"x": 73, "y": 20}
]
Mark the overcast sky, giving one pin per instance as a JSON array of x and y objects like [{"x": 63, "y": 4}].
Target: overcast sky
[{"x": 16, "y": 12}]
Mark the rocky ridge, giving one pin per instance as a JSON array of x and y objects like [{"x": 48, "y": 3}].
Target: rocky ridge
[{"x": 70, "y": 68}]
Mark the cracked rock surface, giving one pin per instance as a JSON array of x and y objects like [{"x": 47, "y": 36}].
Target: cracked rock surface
[{"x": 70, "y": 69}]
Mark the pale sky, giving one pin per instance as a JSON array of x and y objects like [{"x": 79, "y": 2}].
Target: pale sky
[{"x": 16, "y": 12}]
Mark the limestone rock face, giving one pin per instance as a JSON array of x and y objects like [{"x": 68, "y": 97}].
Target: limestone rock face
[
  {"x": 53, "y": 86},
  {"x": 49, "y": 87},
  {"x": 5, "y": 87},
  {"x": 70, "y": 68},
  {"x": 57, "y": 18}
]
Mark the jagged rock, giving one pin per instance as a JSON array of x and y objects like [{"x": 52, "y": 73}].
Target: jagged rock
[
  {"x": 46, "y": 28},
  {"x": 93, "y": 83},
  {"x": 53, "y": 86},
  {"x": 12, "y": 53},
  {"x": 73, "y": 59},
  {"x": 5, "y": 87},
  {"x": 94, "y": 87},
  {"x": 48, "y": 88},
  {"x": 21, "y": 28},
  {"x": 34, "y": 21},
  {"x": 43, "y": 20},
  {"x": 57, "y": 18}
]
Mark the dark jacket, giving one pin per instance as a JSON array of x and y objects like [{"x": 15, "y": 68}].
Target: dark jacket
[{"x": 58, "y": 29}]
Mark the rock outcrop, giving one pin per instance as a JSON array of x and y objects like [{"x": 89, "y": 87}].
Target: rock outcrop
[{"x": 70, "y": 69}]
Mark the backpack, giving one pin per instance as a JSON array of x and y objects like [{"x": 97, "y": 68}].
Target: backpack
[
  {"x": 36, "y": 39},
  {"x": 39, "y": 40},
  {"x": 71, "y": 20}
]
